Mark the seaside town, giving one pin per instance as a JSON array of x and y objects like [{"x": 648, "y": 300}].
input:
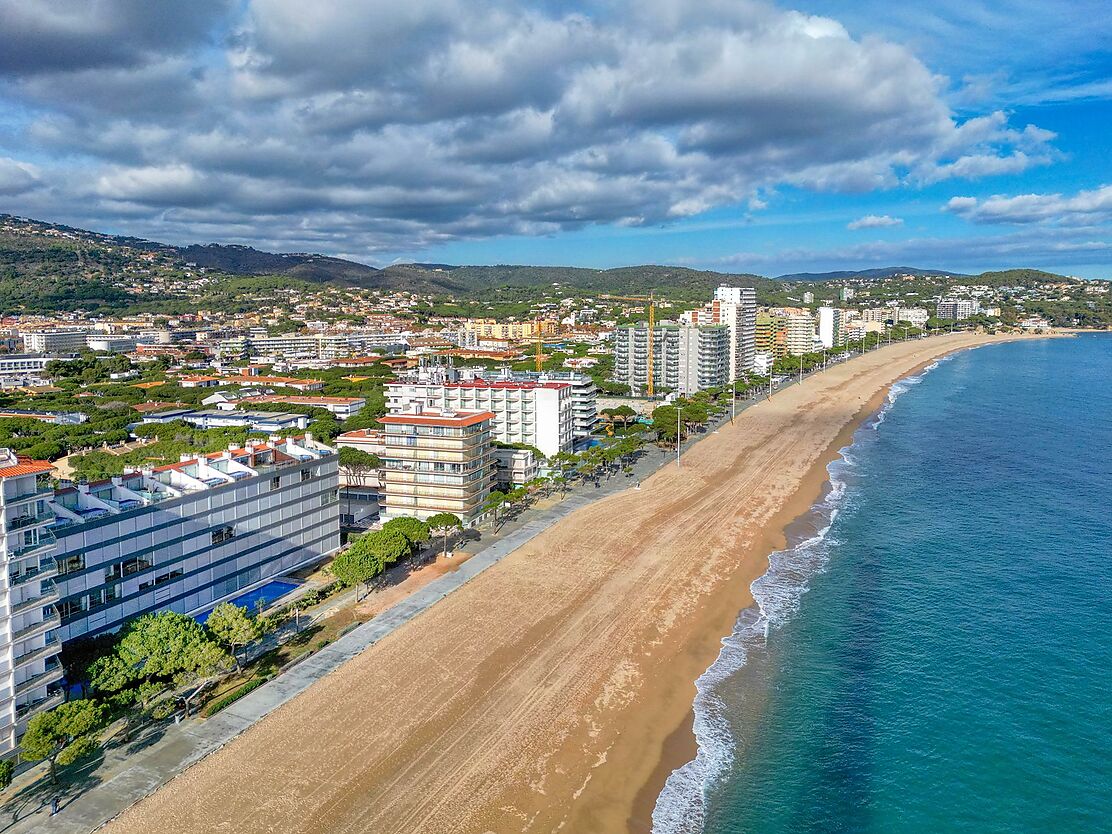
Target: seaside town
[{"x": 252, "y": 480}]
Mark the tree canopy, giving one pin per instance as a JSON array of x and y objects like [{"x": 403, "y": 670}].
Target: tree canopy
[
  {"x": 64, "y": 734},
  {"x": 232, "y": 626}
]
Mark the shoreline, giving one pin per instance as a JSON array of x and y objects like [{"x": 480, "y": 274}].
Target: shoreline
[
  {"x": 547, "y": 693},
  {"x": 681, "y": 746}
]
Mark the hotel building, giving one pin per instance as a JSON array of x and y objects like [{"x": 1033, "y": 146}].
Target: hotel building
[
  {"x": 686, "y": 358},
  {"x": 736, "y": 308},
  {"x": 437, "y": 460}
]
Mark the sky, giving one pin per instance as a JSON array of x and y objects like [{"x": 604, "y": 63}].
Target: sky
[{"x": 732, "y": 135}]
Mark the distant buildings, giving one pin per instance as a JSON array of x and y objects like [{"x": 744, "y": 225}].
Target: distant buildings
[
  {"x": 56, "y": 340},
  {"x": 808, "y": 297},
  {"x": 478, "y": 330},
  {"x": 437, "y": 461},
  {"x": 799, "y": 333},
  {"x": 322, "y": 346}
]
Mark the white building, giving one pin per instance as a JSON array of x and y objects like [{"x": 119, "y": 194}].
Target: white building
[
  {"x": 799, "y": 334},
  {"x": 30, "y": 671},
  {"x": 736, "y": 308},
  {"x": 957, "y": 308},
  {"x": 24, "y": 363},
  {"x": 315, "y": 346},
  {"x": 189, "y": 535},
  {"x": 539, "y": 414},
  {"x": 828, "y": 325},
  {"x": 56, "y": 340},
  {"x": 685, "y": 358}
]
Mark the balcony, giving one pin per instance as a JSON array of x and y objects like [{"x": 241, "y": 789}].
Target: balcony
[
  {"x": 55, "y": 673},
  {"x": 42, "y": 653},
  {"x": 38, "y": 492},
  {"x": 48, "y": 624},
  {"x": 47, "y": 569},
  {"x": 41, "y": 705},
  {"x": 46, "y": 541},
  {"x": 24, "y": 521},
  {"x": 48, "y": 596}
]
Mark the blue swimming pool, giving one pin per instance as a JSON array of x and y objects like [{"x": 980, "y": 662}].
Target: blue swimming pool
[{"x": 275, "y": 589}]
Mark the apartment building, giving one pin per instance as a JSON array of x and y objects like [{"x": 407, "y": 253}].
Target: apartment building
[
  {"x": 771, "y": 334},
  {"x": 437, "y": 460},
  {"x": 56, "y": 340},
  {"x": 25, "y": 363},
  {"x": 476, "y": 330},
  {"x": 957, "y": 309},
  {"x": 584, "y": 396},
  {"x": 188, "y": 535},
  {"x": 30, "y": 671},
  {"x": 324, "y": 346},
  {"x": 686, "y": 358},
  {"x": 799, "y": 333},
  {"x": 736, "y": 308},
  {"x": 828, "y": 320},
  {"x": 540, "y": 414}
]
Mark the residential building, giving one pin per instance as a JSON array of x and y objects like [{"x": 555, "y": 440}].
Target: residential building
[
  {"x": 255, "y": 380},
  {"x": 342, "y": 407},
  {"x": 808, "y": 297},
  {"x": 111, "y": 343},
  {"x": 799, "y": 334},
  {"x": 325, "y": 346},
  {"x": 186, "y": 536},
  {"x": 736, "y": 308},
  {"x": 847, "y": 294},
  {"x": 515, "y": 467},
  {"x": 26, "y": 363},
  {"x": 957, "y": 309},
  {"x": 771, "y": 334},
  {"x": 437, "y": 460},
  {"x": 584, "y": 396},
  {"x": 361, "y": 488},
  {"x": 30, "y": 671},
  {"x": 686, "y": 358},
  {"x": 478, "y": 330},
  {"x": 828, "y": 324},
  {"x": 56, "y": 340},
  {"x": 539, "y": 414}
]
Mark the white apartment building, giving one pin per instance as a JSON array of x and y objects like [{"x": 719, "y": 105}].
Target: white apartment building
[
  {"x": 314, "y": 346},
  {"x": 189, "y": 535},
  {"x": 736, "y": 308},
  {"x": 686, "y": 358},
  {"x": 56, "y": 340},
  {"x": 828, "y": 325},
  {"x": 24, "y": 363},
  {"x": 539, "y": 414},
  {"x": 957, "y": 308},
  {"x": 799, "y": 333},
  {"x": 30, "y": 671}
]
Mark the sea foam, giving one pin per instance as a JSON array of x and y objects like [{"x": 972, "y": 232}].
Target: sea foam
[{"x": 681, "y": 807}]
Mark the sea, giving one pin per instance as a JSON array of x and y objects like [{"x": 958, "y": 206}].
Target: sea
[{"x": 933, "y": 650}]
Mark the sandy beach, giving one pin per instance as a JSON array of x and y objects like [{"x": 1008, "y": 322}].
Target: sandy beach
[{"x": 553, "y": 692}]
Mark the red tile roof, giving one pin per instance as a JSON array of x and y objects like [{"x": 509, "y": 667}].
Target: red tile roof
[
  {"x": 26, "y": 466},
  {"x": 457, "y": 419}
]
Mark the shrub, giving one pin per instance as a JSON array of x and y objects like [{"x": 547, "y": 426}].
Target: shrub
[{"x": 218, "y": 704}]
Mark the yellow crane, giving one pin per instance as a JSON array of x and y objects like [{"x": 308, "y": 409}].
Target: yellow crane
[
  {"x": 539, "y": 357},
  {"x": 652, "y": 324}
]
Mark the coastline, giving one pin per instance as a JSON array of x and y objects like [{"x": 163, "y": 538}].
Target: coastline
[
  {"x": 550, "y": 692},
  {"x": 681, "y": 746}
]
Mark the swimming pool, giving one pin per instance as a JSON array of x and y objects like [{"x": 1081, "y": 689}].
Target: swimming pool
[{"x": 272, "y": 590}]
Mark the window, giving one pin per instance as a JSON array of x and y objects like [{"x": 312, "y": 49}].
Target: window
[
  {"x": 305, "y": 475},
  {"x": 275, "y": 483},
  {"x": 222, "y": 534},
  {"x": 113, "y": 571},
  {"x": 71, "y": 564},
  {"x": 135, "y": 565}
]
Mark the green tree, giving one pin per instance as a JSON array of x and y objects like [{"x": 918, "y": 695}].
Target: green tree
[
  {"x": 415, "y": 531},
  {"x": 665, "y": 423},
  {"x": 232, "y": 626},
  {"x": 495, "y": 501},
  {"x": 369, "y": 556},
  {"x": 359, "y": 461},
  {"x": 444, "y": 524},
  {"x": 64, "y": 734},
  {"x": 7, "y": 770},
  {"x": 159, "y": 648}
]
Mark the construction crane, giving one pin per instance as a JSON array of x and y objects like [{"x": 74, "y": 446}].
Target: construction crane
[
  {"x": 539, "y": 357},
  {"x": 652, "y": 323}
]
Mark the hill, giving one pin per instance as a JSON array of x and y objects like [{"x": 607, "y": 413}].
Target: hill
[{"x": 882, "y": 272}]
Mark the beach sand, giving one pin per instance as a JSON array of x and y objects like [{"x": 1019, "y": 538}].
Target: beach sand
[{"x": 554, "y": 691}]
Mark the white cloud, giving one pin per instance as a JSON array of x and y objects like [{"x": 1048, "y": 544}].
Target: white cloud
[
  {"x": 1083, "y": 208},
  {"x": 16, "y": 177},
  {"x": 383, "y": 127},
  {"x": 874, "y": 221}
]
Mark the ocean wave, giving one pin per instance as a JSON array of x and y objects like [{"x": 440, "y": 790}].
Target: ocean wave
[{"x": 778, "y": 593}]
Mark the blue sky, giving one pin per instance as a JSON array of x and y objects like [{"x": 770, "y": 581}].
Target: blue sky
[{"x": 725, "y": 134}]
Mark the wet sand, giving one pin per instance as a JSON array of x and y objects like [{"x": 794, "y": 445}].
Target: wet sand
[{"x": 554, "y": 691}]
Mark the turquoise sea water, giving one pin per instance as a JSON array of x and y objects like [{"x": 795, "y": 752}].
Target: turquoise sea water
[{"x": 934, "y": 652}]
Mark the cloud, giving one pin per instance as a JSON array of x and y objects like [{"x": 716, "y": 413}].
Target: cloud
[
  {"x": 874, "y": 221},
  {"x": 16, "y": 177},
  {"x": 1082, "y": 209},
  {"x": 388, "y": 127}
]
